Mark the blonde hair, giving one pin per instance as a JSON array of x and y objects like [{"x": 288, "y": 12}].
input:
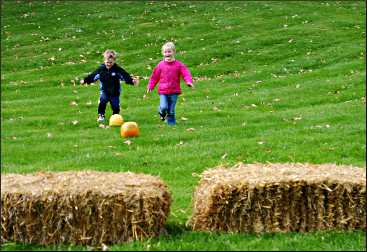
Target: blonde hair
[
  {"x": 169, "y": 45},
  {"x": 108, "y": 54}
]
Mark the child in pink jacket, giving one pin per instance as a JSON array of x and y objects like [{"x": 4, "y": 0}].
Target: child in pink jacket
[{"x": 168, "y": 73}]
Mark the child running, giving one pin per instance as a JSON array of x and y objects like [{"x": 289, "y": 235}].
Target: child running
[
  {"x": 168, "y": 73},
  {"x": 109, "y": 74}
]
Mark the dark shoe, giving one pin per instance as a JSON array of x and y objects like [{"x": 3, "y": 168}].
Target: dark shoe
[
  {"x": 100, "y": 118},
  {"x": 162, "y": 116}
]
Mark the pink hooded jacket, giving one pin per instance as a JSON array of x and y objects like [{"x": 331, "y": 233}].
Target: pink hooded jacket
[{"x": 168, "y": 75}]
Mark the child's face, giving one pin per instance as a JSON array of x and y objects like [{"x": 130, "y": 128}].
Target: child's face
[
  {"x": 168, "y": 54},
  {"x": 109, "y": 62}
]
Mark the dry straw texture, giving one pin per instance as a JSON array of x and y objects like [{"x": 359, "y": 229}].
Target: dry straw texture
[
  {"x": 280, "y": 198},
  {"x": 87, "y": 207}
]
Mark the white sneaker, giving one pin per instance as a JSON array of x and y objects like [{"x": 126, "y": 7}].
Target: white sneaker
[{"x": 100, "y": 118}]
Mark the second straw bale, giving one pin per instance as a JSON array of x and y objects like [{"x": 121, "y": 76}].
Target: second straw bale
[{"x": 280, "y": 198}]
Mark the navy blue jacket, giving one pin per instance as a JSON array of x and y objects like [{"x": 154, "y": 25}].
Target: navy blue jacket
[{"x": 109, "y": 78}]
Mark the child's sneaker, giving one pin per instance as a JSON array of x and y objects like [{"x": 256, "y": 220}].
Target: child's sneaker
[
  {"x": 162, "y": 116},
  {"x": 100, "y": 118}
]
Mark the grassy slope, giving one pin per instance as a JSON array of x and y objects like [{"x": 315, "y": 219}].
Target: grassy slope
[{"x": 276, "y": 82}]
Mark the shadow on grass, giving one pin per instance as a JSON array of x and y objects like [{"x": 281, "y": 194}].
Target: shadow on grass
[
  {"x": 12, "y": 246},
  {"x": 181, "y": 237},
  {"x": 173, "y": 231}
]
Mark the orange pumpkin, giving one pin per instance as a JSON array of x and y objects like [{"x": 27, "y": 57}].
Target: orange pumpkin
[
  {"x": 116, "y": 120},
  {"x": 129, "y": 129}
]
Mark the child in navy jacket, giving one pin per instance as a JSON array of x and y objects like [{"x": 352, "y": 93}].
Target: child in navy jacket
[{"x": 109, "y": 74}]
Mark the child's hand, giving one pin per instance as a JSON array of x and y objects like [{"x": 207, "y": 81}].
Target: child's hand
[
  {"x": 82, "y": 81},
  {"x": 191, "y": 85},
  {"x": 136, "y": 81},
  {"x": 147, "y": 92}
]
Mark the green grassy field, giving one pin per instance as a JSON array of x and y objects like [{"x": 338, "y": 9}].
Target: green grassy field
[{"x": 275, "y": 82}]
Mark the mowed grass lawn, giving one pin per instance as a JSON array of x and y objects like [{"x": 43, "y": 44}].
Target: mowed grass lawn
[{"x": 275, "y": 82}]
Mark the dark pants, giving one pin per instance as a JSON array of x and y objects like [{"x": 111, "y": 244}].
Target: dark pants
[{"x": 104, "y": 98}]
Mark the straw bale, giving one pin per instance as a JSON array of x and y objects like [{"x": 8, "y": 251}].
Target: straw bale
[
  {"x": 87, "y": 208},
  {"x": 280, "y": 198}
]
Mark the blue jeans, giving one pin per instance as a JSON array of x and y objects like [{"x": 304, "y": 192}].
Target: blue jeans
[
  {"x": 167, "y": 107},
  {"x": 104, "y": 98}
]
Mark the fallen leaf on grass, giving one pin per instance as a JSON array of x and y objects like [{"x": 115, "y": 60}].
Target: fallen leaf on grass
[
  {"x": 102, "y": 126},
  {"x": 190, "y": 129},
  {"x": 128, "y": 142},
  {"x": 194, "y": 174},
  {"x": 75, "y": 122}
]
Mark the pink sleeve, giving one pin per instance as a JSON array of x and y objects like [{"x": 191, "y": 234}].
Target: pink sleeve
[
  {"x": 186, "y": 75},
  {"x": 154, "y": 78}
]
